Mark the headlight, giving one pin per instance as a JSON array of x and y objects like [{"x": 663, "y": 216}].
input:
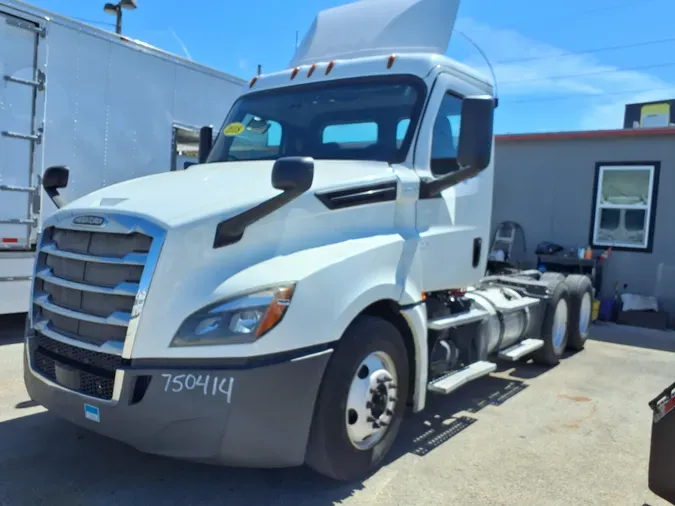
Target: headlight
[{"x": 235, "y": 321}]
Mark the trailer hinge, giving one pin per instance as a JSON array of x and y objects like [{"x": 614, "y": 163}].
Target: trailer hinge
[
  {"x": 38, "y": 84},
  {"x": 27, "y": 25},
  {"x": 20, "y": 221},
  {"x": 36, "y": 138},
  {"x": 14, "y": 188}
]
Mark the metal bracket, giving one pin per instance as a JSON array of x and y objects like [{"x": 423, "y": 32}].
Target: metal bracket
[
  {"x": 19, "y": 221},
  {"x": 13, "y": 188},
  {"x": 26, "y": 25},
  {"x": 36, "y": 84},
  {"x": 37, "y": 138}
]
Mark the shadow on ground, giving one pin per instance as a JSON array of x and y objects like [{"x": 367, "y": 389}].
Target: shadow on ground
[
  {"x": 661, "y": 340},
  {"x": 12, "y": 328},
  {"x": 78, "y": 467}
]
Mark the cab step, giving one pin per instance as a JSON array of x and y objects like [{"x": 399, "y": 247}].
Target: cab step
[
  {"x": 516, "y": 304},
  {"x": 457, "y": 320},
  {"x": 521, "y": 349},
  {"x": 452, "y": 381}
]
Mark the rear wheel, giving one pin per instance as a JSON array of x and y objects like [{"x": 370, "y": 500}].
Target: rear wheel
[
  {"x": 361, "y": 401},
  {"x": 580, "y": 305},
  {"x": 554, "y": 330}
]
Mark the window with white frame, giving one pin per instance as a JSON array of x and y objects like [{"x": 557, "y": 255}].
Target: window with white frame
[{"x": 624, "y": 205}]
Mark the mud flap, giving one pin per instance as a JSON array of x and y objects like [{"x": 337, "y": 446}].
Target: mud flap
[{"x": 662, "y": 449}]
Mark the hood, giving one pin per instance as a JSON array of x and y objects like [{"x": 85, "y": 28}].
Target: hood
[{"x": 223, "y": 189}]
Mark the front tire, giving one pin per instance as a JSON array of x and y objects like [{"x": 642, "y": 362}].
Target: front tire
[{"x": 361, "y": 401}]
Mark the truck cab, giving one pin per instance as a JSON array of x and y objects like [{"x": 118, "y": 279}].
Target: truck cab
[{"x": 286, "y": 300}]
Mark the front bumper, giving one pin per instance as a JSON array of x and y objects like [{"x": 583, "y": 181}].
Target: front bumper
[{"x": 230, "y": 414}]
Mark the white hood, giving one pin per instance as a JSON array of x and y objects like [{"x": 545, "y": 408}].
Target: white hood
[{"x": 223, "y": 189}]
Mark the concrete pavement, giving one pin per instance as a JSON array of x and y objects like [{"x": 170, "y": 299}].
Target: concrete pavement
[{"x": 576, "y": 434}]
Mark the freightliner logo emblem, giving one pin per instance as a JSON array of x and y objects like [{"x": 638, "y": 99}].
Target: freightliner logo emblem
[{"x": 95, "y": 221}]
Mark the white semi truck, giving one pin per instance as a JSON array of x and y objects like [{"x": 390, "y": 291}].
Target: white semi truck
[
  {"x": 284, "y": 301},
  {"x": 109, "y": 107}
]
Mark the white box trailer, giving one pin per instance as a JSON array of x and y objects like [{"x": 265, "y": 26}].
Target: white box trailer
[{"x": 108, "y": 107}]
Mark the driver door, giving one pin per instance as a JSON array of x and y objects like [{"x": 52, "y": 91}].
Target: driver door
[{"x": 453, "y": 227}]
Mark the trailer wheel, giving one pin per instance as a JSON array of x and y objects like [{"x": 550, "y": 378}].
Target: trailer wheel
[
  {"x": 580, "y": 304},
  {"x": 361, "y": 401},
  {"x": 554, "y": 330}
]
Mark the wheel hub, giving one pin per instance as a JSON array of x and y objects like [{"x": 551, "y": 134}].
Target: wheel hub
[{"x": 371, "y": 402}]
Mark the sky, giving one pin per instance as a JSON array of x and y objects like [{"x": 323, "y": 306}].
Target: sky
[{"x": 560, "y": 66}]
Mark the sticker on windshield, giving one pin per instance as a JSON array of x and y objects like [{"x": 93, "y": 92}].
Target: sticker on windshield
[{"x": 233, "y": 129}]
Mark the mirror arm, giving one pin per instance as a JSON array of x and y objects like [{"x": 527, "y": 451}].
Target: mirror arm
[
  {"x": 432, "y": 188},
  {"x": 59, "y": 200}
]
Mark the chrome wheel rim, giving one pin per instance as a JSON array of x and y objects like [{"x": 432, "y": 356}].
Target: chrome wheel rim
[
  {"x": 371, "y": 401},
  {"x": 559, "y": 325},
  {"x": 585, "y": 313}
]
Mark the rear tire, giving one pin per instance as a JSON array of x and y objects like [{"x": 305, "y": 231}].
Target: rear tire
[
  {"x": 554, "y": 329},
  {"x": 340, "y": 446},
  {"x": 580, "y": 310}
]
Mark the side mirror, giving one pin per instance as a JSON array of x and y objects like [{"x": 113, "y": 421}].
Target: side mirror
[
  {"x": 475, "y": 138},
  {"x": 53, "y": 179},
  {"x": 205, "y": 143},
  {"x": 475, "y": 145},
  {"x": 293, "y": 174}
]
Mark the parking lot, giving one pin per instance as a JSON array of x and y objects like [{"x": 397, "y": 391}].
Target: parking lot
[{"x": 577, "y": 434}]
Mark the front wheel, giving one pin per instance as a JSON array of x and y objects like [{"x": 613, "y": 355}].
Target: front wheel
[{"x": 361, "y": 401}]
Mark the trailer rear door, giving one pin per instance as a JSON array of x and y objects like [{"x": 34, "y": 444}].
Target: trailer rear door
[{"x": 20, "y": 83}]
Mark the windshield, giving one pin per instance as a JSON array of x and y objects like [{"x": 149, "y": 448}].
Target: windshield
[{"x": 351, "y": 119}]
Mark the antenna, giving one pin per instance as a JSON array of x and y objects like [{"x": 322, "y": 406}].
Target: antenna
[
  {"x": 259, "y": 69},
  {"x": 492, "y": 70}
]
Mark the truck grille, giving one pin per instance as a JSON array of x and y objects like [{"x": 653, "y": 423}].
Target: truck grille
[
  {"x": 84, "y": 297},
  {"x": 88, "y": 372},
  {"x": 86, "y": 284}
]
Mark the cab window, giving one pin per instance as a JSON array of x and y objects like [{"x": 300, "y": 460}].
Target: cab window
[{"x": 446, "y": 136}]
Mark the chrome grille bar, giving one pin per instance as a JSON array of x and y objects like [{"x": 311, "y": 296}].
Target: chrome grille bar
[
  {"x": 117, "y": 318},
  {"x": 127, "y": 289},
  {"x": 130, "y": 259},
  {"x": 112, "y": 347}
]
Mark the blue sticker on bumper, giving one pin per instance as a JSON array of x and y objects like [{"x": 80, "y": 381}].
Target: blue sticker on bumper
[{"x": 92, "y": 413}]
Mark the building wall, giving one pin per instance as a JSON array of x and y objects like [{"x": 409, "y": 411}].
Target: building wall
[{"x": 546, "y": 185}]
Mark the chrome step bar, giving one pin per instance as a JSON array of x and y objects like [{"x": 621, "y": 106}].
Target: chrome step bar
[
  {"x": 521, "y": 349},
  {"x": 457, "y": 320},
  {"x": 516, "y": 304},
  {"x": 451, "y": 382}
]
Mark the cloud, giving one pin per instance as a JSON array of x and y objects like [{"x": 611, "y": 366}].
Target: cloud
[{"x": 538, "y": 75}]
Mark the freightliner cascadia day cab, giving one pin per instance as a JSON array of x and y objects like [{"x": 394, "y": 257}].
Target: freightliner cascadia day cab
[{"x": 284, "y": 301}]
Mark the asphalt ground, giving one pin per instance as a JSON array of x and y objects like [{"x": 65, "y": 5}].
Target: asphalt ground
[{"x": 573, "y": 435}]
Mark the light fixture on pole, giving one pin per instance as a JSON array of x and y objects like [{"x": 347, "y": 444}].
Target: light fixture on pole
[{"x": 116, "y": 10}]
